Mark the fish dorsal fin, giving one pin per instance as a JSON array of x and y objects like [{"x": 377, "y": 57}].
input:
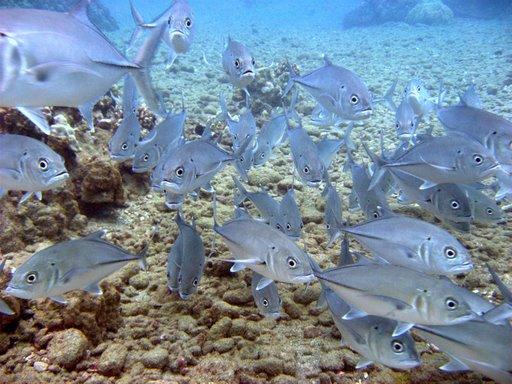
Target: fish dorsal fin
[
  {"x": 401, "y": 328},
  {"x": 327, "y": 61},
  {"x": 96, "y": 236},
  {"x": 79, "y": 11}
]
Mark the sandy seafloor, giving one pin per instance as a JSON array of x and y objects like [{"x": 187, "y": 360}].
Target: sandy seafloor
[{"x": 138, "y": 332}]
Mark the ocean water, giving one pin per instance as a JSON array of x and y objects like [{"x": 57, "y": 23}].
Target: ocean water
[{"x": 138, "y": 331}]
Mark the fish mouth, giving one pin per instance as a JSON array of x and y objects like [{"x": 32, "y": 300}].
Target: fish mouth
[
  {"x": 173, "y": 206},
  {"x": 313, "y": 183},
  {"x": 59, "y": 178},
  {"x": 409, "y": 364},
  {"x": 462, "y": 268},
  {"x": 248, "y": 73},
  {"x": 273, "y": 315},
  {"x": 17, "y": 292},
  {"x": 119, "y": 157},
  {"x": 185, "y": 296},
  {"x": 304, "y": 279},
  {"x": 365, "y": 113}
]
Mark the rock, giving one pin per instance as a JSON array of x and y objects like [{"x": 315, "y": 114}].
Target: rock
[
  {"x": 332, "y": 361},
  {"x": 238, "y": 296},
  {"x": 292, "y": 309},
  {"x": 224, "y": 345},
  {"x": 220, "y": 329},
  {"x": 67, "y": 348},
  {"x": 139, "y": 281},
  {"x": 372, "y": 12},
  {"x": 270, "y": 365},
  {"x": 156, "y": 358},
  {"x": 40, "y": 366},
  {"x": 306, "y": 296},
  {"x": 430, "y": 12},
  {"x": 112, "y": 360},
  {"x": 247, "y": 329}
]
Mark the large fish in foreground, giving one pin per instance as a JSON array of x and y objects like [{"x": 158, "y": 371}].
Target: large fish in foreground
[
  {"x": 62, "y": 59},
  {"x": 70, "y": 265},
  {"x": 29, "y": 165},
  {"x": 337, "y": 89},
  {"x": 238, "y": 64}
]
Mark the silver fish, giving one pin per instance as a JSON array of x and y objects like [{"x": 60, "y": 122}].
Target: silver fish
[
  {"x": 173, "y": 201},
  {"x": 475, "y": 345},
  {"x": 470, "y": 98},
  {"x": 444, "y": 159},
  {"x": 164, "y": 138},
  {"x": 186, "y": 260},
  {"x": 267, "y": 299},
  {"x": 179, "y": 22},
  {"x": 51, "y": 272},
  {"x": 492, "y": 131},
  {"x": 29, "y": 165},
  {"x": 239, "y": 130},
  {"x": 332, "y": 213},
  {"x": 62, "y": 59},
  {"x": 406, "y": 121},
  {"x": 306, "y": 157},
  {"x": 337, "y": 89},
  {"x": 372, "y": 337},
  {"x": 418, "y": 97},
  {"x": 485, "y": 209},
  {"x": 244, "y": 162},
  {"x": 264, "y": 250},
  {"x": 238, "y": 64},
  {"x": 122, "y": 144},
  {"x": 269, "y": 208},
  {"x": 413, "y": 298},
  {"x": 290, "y": 220},
  {"x": 271, "y": 135},
  {"x": 413, "y": 243},
  {"x": 4, "y": 308}
]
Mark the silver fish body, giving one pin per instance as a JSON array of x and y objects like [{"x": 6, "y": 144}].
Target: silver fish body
[
  {"x": 238, "y": 64},
  {"x": 51, "y": 272},
  {"x": 267, "y": 299},
  {"x": 418, "y": 97},
  {"x": 242, "y": 129},
  {"x": 181, "y": 27},
  {"x": 269, "y": 208},
  {"x": 29, "y": 165},
  {"x": 271, "y": 135},
  {"x": 332, "y": 213},
  {"x": 413, "y": 243},
  {"x": 485, "y": 209},
  {"x": 406, "y": 121},
  {"x": 290, "y": 219}
]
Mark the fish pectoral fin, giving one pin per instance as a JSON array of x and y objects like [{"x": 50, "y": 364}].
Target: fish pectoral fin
[
  {"x": 402, "y": 328},
  {"x": 246, "y": 262},
  {"x": 454, "y": 365},
  {"x": 59, "y": 299},
  {"x": 264, "y": 281},
  {"x": 94, "y": 289},
  {"x": 86, "y": 112},
  {"x": 399, "y": 304},
  {"x": 3, "y": 192},
  {"x": 5, "y": 309},
  {"x": 237, "y": 267},
  {"x": 72, "y": 273},
  {"x": 363, "y": 363},
  {"x": 37, "y": 117},
  {"x": 427, "y": 184},
  {"x": 354, "y": 313},
  {"x": 498, "y": 314},
  {"x": 9, "y": 173},
  {"x": 172, "y": 56},
  {"x": 25, "y": 197},
  {"x": 45, "y": 71}
]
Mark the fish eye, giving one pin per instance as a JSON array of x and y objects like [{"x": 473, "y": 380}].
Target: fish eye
[
  {"x": 237, "y": 63},
  {"x": 292, "y": 263},
  {"x": 179, "y": 171},
  {"x": 179, "y": 278},
  {"x": 451, "y": 303},
  {"x": 262, "y": 155},
  {"x": 253, "y": 61},
  {"x": 194, "y": 283},
  {"x": 397, "y": 125},
  {"x": 43, "y": 164},
  {"x": 354, "y": 99},
  {"x": 169, "y": 20},
  {"x": 264, "y": 302},
  {"x": 376, "y": 215},
  {"x": 124, "y": 147},
  {"x": 278, "y": 226},
  {"x": 412, "y": 123},
  {"x": 328, "y": 226},
  {"x": 188, "y": 22},
  {"x": 450, "y": 253},
  {"x": 478, "y": 159},
  {"x": 301, "y": 225},
  {"x": 418, "y": 88},
  {"x": 31, "y": 278},
  {"x": 288, "y": 226},
  {"x": 489, "y": 211},
  {"x": 454, "y": 204},
  {"x": 145, "y": 158},
  {"x": 398, "y": 346},
  {"x": 306, "y": 169},
  {"x": 242, "y": 159}
]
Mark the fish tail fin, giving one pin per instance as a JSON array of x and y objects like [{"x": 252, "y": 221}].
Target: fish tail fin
[
  {"x": 345, "y": 255},
  {"x": 242, "y": 192},
  {"x": 380, "y": 165},
  {"x": 141, "y": 74},
  {"x": 240, "y": 151},
  {"x": 224, "y": 114},
  {"x": 142, "y": 257},
  {"x": 504, "y": 290},
  {"x": 139, "y": 23},
  {"x": 349, "y": 163},
  {"x": 291, "y": 81},
  {"x": 388, "y": 97},
  {"x": 440, "y": 97}
]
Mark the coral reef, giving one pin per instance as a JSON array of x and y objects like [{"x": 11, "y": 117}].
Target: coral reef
[
  {"x": 430, "y": 12},
  {"x": 371, "y": 12}
]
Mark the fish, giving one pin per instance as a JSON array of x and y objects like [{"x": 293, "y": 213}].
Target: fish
[
  {"x": 485, "y": 209},
  {"x": 306, "y": 156},
  {"x": 238, "y": 64},
  {"x": 373, "y": 201},
  {"x": 372, "y": 337},
  {"x": 491, "y": 130},
  {"x": 271, "y": 135},
  {"x": 406, "y": 121},
  {"x": 267, "y": 299},
  {"x": 173, "y": 201},
  {"x": 4, "y": 308},
  {"x": 123, "y": 142},
  {"x": 479, "y": 346},
  {"x": 289, "y": 219},
  {"x": 418, "y": 97},
  {"x": 179, "y": 27},
  {"x": 338, "y": 90},
  {"x": 164, "y": 138},
  {"x": 413, "y": 298},
  {"x": 332, "y": 213},
  {"x": 194, "y": 164},
  {"x": 62, "y": 59},
  {"x": 268, "y": 207},
  {"x": 244, "y": 162},
  {"x": 51, "y": 272},
  {"x": 29, "y": 165},
  {"x": 414, "y": 244},
  {"x": 470, "y": 98},
  {"x": 265, "y": 250},
  {"x": 239, "y": 130},
  {"x": 185, "y": 263},
  {"x": 443, "y": 159}
]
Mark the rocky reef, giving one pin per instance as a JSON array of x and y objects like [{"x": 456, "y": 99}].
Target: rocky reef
[
  {"x": 99, "y": 14},
  {"x": 430, "y": 12}
]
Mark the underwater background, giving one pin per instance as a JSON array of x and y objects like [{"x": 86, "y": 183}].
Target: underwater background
[{"x": 139, "y": 332}]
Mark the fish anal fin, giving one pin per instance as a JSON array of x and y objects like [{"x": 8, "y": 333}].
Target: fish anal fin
[
  {"x": 363, "y": 363},
  {"x": 59, "y": 299},
  {"x": 454, "y": 365},
  {"x": 94, "y": 289}
]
